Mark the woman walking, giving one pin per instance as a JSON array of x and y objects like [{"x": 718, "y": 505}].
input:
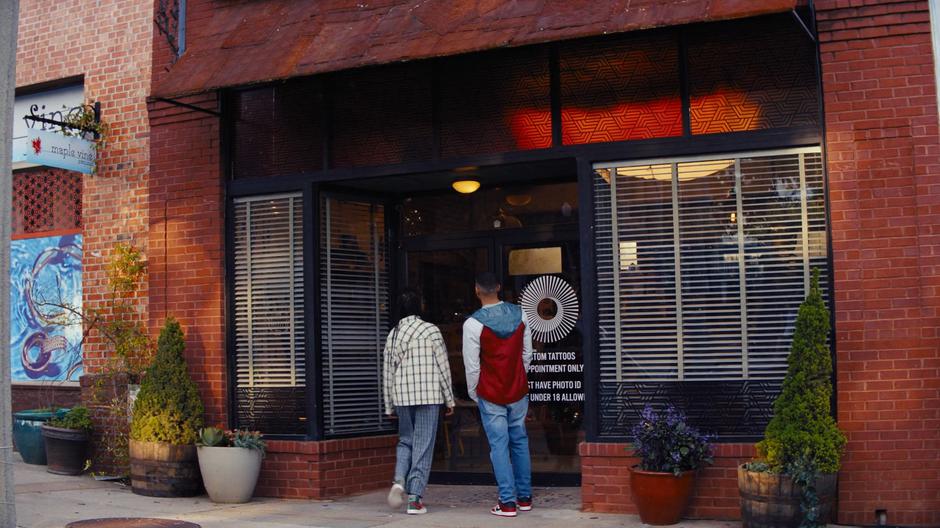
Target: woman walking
[{"x": 417, "y": 382}]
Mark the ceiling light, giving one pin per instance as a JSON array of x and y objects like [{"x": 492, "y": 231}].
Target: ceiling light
[{"x": 466, "y": 185}]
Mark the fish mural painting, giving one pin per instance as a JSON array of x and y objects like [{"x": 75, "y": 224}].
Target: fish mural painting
[{"x": 45, "y": 303}]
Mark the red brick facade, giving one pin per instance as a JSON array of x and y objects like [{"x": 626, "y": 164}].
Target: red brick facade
[
  {"x": 186, "y": 259},
  {"x": 110, "y": 47},
  {"x": 883, "y": 153},
  {"x": 319, "y": 470},
  {"x": 112, "y": 50}
]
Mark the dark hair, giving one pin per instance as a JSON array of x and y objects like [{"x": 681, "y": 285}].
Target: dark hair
[
  {"x": 487, "y": 282},
  {"x": 409, "y": 303}
]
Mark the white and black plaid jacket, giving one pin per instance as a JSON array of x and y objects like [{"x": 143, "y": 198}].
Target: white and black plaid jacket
[{"x": 416, "y": 368}]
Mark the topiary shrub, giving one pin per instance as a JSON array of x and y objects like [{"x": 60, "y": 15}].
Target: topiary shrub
[
  {"x": 803, "y": 432},
  {"x": 168, "y": 408}
]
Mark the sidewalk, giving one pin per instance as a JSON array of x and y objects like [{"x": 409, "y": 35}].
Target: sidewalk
[{"x": 46, "y": 501}]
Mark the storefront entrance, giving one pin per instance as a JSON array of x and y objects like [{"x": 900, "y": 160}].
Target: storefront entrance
[
  {"x": 528, "y": 236},
  {"x": 526, "y": 233}
]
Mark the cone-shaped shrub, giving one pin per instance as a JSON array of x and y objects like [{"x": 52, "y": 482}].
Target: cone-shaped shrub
[
  {"x": 168, "y": 408},
  {"x": 803, "y": 427}
]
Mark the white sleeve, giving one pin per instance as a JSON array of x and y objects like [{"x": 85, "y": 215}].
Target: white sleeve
[
  {"x": 527, "y": 347},
  {"x": 471, "y": 354}
]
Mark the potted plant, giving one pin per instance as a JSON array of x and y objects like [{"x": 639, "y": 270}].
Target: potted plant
[
  {"x": 230, "y": 462},
  {"x": 67, "y": 441},
  {"x": 793, "y": 482},
  {"x": 27, "y": 433},
  {"x": 166, "y": 419},
  {"x": 670, "y": 452}
]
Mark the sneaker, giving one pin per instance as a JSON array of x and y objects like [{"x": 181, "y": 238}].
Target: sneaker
[
  {"x": 524, "y": 503},
  {"x": 396, "y": 495},
  {"x": 504, "y": 509},
  {"x": 416, "y": 507}
]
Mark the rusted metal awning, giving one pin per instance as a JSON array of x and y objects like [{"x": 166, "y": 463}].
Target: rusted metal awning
[{"x": 246, "y": 42}]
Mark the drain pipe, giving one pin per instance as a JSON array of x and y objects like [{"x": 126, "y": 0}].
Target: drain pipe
[
  {"x": 935, "y": 36},
  {"x": 181, "y": 29}
]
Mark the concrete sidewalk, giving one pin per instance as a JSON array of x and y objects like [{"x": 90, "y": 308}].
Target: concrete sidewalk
[{"x": 46, "y": 501}]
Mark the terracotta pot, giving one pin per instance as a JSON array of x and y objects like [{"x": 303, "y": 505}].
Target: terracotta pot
[
  {"x": 773, "y": 501},
  {"x": 661, "y": 498},
  {"x": 229, "y": 473}
]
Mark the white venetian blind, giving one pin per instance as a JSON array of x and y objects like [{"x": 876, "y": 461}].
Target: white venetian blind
[
  {"x": 702, "y": 264},
  {"x": 354, "y": 315},
  {"x": 270, "y": 359}
]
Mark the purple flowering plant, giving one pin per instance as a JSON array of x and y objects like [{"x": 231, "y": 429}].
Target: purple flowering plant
[{"x": 664, "y": 442}]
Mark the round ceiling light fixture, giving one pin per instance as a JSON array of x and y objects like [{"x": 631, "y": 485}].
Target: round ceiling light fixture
[{"x": 466, "y": 184}]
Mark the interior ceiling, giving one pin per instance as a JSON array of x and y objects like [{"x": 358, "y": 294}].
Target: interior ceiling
[{"x": 496, "y": 175}]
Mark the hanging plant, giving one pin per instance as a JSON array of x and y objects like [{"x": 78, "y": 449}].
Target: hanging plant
[{"x": 81, "y": 121}]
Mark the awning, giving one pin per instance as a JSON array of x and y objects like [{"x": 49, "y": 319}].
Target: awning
[{"x": 246, "y": 42}]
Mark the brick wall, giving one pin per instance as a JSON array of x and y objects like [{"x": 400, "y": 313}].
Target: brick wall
[
  {"x": 332, "y": 468},
  {"x": 883, "y": 154},
  {"x": 605, "y": 481},
  {"x": 110, "y": 44},
  {"x": 38, "y": 396},
  {"x": 186, "y": 233}
]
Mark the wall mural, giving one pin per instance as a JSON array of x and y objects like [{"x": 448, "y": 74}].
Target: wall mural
[{"x": 45, "y": 294}]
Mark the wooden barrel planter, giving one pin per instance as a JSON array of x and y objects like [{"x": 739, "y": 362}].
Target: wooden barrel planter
[
  {"x": 164, "y": 470},
  {"x": 773, "y": 501}
]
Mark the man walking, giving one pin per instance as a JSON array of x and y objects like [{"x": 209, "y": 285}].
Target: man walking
[{"x": 497, "y": 350}]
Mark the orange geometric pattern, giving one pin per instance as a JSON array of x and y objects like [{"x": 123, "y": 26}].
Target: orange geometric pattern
[
  {"x": 46, "y": 200},
  {"x": 620, "y": 90},
  {"x": 762, "y": 78}
]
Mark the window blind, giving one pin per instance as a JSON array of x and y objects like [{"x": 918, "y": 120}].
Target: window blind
[
  {"x": 269, "y": 337},
  {"x": 355, "y": 311},
  {"x": 702, "y": 264}
]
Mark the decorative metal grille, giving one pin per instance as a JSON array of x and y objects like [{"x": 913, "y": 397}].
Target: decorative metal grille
[
  {"x": 496, "y": 102},
  {"x": 277, "y": 130},
  {"x": 732, "y": 409},
  {"x": 761, "y": 78},
  {"x": 382, "y": 116},
  {"x": 46, "y": 200},
  {"x": 622, "y": 89}
]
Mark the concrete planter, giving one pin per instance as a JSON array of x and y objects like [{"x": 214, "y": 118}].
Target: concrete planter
[{"x": 229, "y": 473}]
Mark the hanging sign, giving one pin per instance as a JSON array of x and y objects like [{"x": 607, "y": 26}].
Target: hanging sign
[{"x": 53, "y": 149}]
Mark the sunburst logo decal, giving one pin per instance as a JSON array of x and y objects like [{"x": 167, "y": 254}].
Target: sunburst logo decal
[{"x": 551, "y": 308}]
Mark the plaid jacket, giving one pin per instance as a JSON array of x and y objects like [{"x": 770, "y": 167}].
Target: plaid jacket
[{"x": 416, "y": 370}]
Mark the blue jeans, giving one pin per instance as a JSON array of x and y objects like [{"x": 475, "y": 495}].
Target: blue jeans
[
  {"x": 509, "y": 447},
  {"x": 417, "y": 427}
]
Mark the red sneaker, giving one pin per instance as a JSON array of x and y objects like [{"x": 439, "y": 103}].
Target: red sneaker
[
  {"x": 504, "y": 509},
  {"x": 524, "y": 503}
]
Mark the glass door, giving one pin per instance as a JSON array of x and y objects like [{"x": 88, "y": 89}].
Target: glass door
[{"x": 543, "y": 278}]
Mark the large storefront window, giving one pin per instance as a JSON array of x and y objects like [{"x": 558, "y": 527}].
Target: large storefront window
[
  {"x": 702, "y": 264},
  {"x": 269, "y": 337},
  {"x": 354, "y": 314}
]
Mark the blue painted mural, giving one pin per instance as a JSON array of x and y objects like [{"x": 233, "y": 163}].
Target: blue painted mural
[{"x": 45, "y": 294}]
